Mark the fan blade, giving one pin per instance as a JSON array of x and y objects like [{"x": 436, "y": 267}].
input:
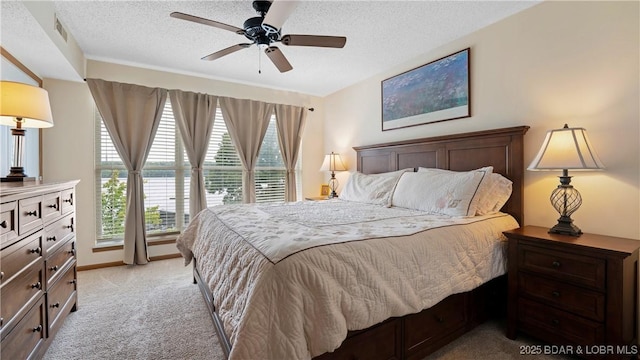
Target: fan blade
[
  {"x": 278, "y": 13},
  {"x": 278, "y": 59},
  {"x": 314, "y": 40},
  {"x": 227, "y": 51},
  {"x": 199, "y": 20}
]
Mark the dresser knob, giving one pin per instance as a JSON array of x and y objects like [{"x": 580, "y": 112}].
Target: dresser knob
[
  {"x": 69, "y": 227},
  {"x": 53, "y": 206},
  {"x": 36, "y": 285},
  {"x": 555, "y": 294},
  {"x": 54, "y": 268},
  {"x": 69, "y": 200},
  {"x": 72, "y": 251},
  {"x": 1, "y": 275},
  {"x": 56, "y": 305},
  {"x": 73, "y": 281},
  {"x": 51, "y": 238},
  {"x": 3, "y": 224},
  {"x": 556, "y": 264},
  {"x": 555, "y": 322},
  {"x": 36, "y": 250},
  {"x": 1, "y": 321},
  {"x": 32, "y": 213},
  {"x": 37, "y": 328}
]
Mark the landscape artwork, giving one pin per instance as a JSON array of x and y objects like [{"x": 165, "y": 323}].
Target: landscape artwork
[{"x": 433, "y": 92}]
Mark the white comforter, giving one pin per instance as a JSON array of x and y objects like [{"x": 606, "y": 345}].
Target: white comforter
[{"x": 290, "y": 280}]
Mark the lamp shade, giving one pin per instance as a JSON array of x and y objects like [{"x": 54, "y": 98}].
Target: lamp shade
[
  {"x": 333, "y": 162},
  {"x": 566, "y": 149},
  {"x": 27, "y": 102}
]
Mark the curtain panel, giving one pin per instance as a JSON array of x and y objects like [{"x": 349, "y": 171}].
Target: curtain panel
[
  {"x": 195, "y": 114},
  {"x": 247, "y": 122},
  {"x": 290, "y": 121},
  {"x": 131, "y": 114}
]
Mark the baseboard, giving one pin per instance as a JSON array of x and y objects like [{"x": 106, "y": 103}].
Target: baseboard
[{"x": 120, "y": 263}]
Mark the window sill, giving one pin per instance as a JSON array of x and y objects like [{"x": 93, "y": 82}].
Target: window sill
[{"x": 118, "y": 244}]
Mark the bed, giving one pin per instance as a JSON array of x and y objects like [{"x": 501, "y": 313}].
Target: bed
[{"x": 311, "y": 287}]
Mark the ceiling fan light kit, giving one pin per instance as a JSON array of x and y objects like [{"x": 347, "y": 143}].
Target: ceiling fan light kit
[{"x": 264, "y": 30}]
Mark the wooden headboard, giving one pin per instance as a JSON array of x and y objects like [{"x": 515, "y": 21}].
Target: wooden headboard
[{"x": 500, "y": 148}]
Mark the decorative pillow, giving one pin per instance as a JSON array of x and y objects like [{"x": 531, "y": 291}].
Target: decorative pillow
[
  {"x": 443, "y": 192},
  {"x": 371, "y": 189},
  {"x": 493, "y": 193}
]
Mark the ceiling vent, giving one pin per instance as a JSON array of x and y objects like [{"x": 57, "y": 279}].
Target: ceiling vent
[{"x": 60, "y": 29}]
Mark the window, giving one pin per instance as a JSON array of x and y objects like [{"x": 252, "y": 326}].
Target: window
[{"x": 166, "y": 177}]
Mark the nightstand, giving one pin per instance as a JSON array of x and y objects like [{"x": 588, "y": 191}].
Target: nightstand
[
  {"x": 569, "y": 290},
  {"x": 316, "y": 198}
]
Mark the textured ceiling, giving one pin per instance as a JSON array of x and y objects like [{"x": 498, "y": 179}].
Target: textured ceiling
[{"x": 380, "y": 35}]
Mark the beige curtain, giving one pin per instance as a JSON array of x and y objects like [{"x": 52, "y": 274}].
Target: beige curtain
[
  {"x": 247, "y": 122},
  {"x": 290, "y": 121},
  {"x": 195, "y": 114},
  {"x": 131, "y": 114}
]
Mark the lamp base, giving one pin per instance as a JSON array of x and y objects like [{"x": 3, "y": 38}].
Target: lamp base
[
  {"x": 565, "y": 226},
  {"x": 16, "y": 173}
]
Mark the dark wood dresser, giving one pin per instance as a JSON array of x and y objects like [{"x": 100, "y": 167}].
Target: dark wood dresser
[
  {"x": 579, "y": 291},
  {"x": 37, "y": 265}
]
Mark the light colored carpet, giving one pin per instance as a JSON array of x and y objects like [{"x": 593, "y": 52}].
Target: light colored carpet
[{"x": 154, "y": 311}]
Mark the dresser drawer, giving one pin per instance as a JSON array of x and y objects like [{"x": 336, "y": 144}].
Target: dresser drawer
[
  {"x": 440, "y": 320},
  {"x": 58, "y": 232},
  {"x": 17, "y": 295},
  {"x": 19, "y": 256},
  {"x": 558, "y": 326},
  {"x": 58, "y": 261},
  {"x": 68, "y": 198},
  {"x": 574, "y": 268},
  {"x": 51, "y": 207},
  {"x": 575, "y": 299},
  {"x": 61, "y": 297},
  {"x": 8, "y": 223},
  {"x": 29, "y": 214},
  {"x": 27, "y": 337}
]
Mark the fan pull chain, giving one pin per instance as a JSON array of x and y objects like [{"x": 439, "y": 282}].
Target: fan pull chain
[{"x": 259, "y": 61}]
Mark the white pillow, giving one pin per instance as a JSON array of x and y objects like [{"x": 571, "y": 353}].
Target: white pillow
[
  {"x": 443, "y": 192},
  {"x": 371, "y": 189},
  {"x": 493, "y": 193}
]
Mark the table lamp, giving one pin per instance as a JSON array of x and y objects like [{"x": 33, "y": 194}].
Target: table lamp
[
  {"x": 333, "y": 162},
  {"x": 566, "y": 149},
  {"x": 22, "y": 106}
]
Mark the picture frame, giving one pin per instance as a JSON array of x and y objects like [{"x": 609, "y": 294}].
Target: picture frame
[
  {"x": 325, "y": 190},
  {"x": 434, "y": 92}
]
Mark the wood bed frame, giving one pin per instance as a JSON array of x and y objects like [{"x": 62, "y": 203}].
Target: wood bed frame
[{"x": 415, "y": 336}]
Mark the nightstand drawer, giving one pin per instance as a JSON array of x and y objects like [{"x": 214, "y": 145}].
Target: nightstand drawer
[
  {"x": 574, "y": 268},
  {"x": 575, "y": 299},
  {"x": 555, "y": 325}
]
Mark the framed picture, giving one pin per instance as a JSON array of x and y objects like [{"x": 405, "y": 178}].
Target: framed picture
[
  {"x": 433, "y": 92},
  {"x": 325, "y": 190}
]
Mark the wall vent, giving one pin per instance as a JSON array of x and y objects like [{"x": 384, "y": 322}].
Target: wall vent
[{"x": 60, "y": 29}]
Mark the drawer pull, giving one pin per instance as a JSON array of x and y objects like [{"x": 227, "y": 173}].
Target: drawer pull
[
  {"x": 72, "y": 251},
  {"x": 54, "y": 268},
  {"x": 36, "y": 285},
  {"x": 37, "y": 328},
  {"x": 53, "y": 206},
  {"x": 51, "y": 238},
  {"x": 556, "y": 294},
  {"x": 1, "y": 275},
  {"x": 1, "y": 321},
  {"x": 36, "y": 250},
  {"x": 56, "y": 305},
  {"x": 556, "y": 264},
  {"x": 69, "y": 200},
  {"x": 69, "y": 227},
  {"x": 555, "y": 322},
  {"x": 3, "y": 224},
  {"x": 73, "y": 281},
  {"x": 31, "y": 213}
]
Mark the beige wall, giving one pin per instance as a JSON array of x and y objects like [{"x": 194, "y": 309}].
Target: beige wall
[
  {"x": 69, "y": 145},
  {"x": 555, "y": 63}
]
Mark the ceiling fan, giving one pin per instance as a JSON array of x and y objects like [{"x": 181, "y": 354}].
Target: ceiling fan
[{"x": 264, "y": 30}]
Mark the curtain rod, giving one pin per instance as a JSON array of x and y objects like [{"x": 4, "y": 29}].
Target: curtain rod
[{"x": 310, "y": 109}]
